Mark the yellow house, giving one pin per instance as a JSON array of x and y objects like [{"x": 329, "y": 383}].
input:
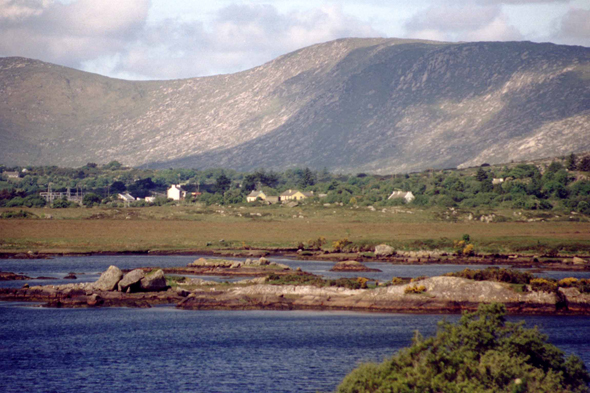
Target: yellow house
[
  {"x": 295, "y": 195},
  {"x": 251, "y": 197}
]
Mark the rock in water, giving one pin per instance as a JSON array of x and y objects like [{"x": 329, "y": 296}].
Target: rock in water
[
  {"x": 108, "y": 280},
  {"x": 130, "y": 279},
  {"x": 154, "y": 282},
  {"x": 383, "y": 250}
]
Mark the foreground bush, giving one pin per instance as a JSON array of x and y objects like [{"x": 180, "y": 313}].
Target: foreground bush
[{"x": 481, "y": 353}]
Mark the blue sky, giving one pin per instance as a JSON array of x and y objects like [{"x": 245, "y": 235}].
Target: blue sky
[{"x": 169, "y": 39}]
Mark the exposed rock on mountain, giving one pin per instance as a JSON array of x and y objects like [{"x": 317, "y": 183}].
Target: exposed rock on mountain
[{"x": 373, "y": 105}]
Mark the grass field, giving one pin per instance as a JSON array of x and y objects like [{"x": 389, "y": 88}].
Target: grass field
[{"x": 192, "y": 227}]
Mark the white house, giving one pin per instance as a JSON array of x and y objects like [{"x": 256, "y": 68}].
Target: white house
[
  {"x": 175, "y": 192},
  {"x": 406, "y": 195},
  {"x": 255, "y": 195},
  {"x": 497, "y": 181},
  {"x": 126, "y": 197}
]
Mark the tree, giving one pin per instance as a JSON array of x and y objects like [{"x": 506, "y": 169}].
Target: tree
[
  {"x": 481, "y": 353},
  {"x": 481, "y": 175},
  {"x": 222, "y": 183},
  {"x": 571, "y": 162},
  {"x": 117, "y": 187},
  {"x": 585, "y": 164},
  {"x": 91, "y": 199},
  {"x": 308, "y": 178}
]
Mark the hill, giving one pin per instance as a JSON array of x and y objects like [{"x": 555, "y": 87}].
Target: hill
[{"x": 351, "y": 105}]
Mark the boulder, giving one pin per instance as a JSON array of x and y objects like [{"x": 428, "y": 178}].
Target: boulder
[
  {"x": 130, "y": 280},
  {"x": 154, "y": 282},
  {"x": 94, "y": 300},
  {"x": 108, "y": 280},
  {"x": 263, "y": 261},
  {"x": 198, "y": 262},
  {"x": 383, "y": 250},
  {"x": 579, "y": 261},
  {"x": 351, "y": 266},
  {"x": 70, "y": 276}
]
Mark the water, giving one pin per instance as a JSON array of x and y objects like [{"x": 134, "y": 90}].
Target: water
[
  {"x": 164, "y": 349},
  {"x": 88, "y": 268}
]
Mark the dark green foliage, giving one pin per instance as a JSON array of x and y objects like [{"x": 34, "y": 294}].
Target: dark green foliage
[
  {"x": 296, "y": 279},
  {"x": 585, "y": 164},
  {"x": 91, "y": 199},
  {"x": 118, "y": 187},
  {"x": 495, "y": 274},
  {"x": 222, "y": 183},
  {"x": 481, "y": 175},
  {"x": 18, "y": 214},
  {"x": 481, "y": 353},
  {"x": 571, "y": 163}
]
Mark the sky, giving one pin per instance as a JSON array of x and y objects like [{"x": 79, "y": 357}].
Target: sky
[{"x": 171, "y": 39}]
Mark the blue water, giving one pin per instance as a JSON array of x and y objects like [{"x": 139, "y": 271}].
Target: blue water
[
  {"x": 164, "y": 349},
  {"x": 88, "y": 268}
]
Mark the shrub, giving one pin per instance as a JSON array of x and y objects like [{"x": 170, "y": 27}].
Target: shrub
[
  {"x": 415, "y": 289},
  {"x": 397, "y": 281},
  {"x": 494, "y": 274},
  {"x": 480, "y": 353},
  {"x": 468, "y": 250},
  {"x": 362, "y": 281},
  {"x": 543, "y": 285},
  {"x": 419, "y": 278},
  {"x": 339, "y": 245}
]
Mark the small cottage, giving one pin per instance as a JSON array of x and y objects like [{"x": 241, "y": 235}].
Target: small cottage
[
  {"x": 294, "y": 195},
  {"x": 176, "y": 193},
  {"x": 126, "y": 197},
  {"x": 406, "y": 195},
  {"x": 254, "y": 195}
]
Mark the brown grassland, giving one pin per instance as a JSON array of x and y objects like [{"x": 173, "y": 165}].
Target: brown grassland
[{"x": 193, "y": 227}]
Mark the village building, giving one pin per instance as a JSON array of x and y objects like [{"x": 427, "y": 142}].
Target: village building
[
  {"x": 126, "y": 197},
  {"x": 150, "y": 199},
  {"x": 497, "y": 181},
  {"x": 294, "y": 195},
  {"x": 176, "y": 193},
  {"x": 10, "y": 175},
  {"x": 254, "y": 195},
  {"x": 271, "y": 199},
  {"x": 406, "y": 195}
]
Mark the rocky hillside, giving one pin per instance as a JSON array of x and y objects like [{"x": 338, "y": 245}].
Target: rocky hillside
[{"x": 371, "y": 105}]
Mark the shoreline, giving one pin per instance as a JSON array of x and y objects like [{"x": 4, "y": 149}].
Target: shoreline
[
  {"x": 550, "y": 263},
  {"x": 435, "y": 295}
]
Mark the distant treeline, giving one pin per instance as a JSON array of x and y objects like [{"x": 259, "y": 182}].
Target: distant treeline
[{"x": 562, "y": 184}]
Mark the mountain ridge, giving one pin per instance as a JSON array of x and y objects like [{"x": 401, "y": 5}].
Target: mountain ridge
[{"x": 375, "y": 105}]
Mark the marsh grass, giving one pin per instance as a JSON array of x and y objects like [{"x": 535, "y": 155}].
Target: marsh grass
[{"x": 194, "y": 227}]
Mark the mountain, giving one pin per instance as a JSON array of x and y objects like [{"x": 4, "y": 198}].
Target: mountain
[{"x": 351, "y": 105}]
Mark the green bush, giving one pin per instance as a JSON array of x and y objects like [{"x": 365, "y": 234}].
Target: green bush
[
  {"x": 481, "y": 353},
  {"x": 495, "y": 274}
]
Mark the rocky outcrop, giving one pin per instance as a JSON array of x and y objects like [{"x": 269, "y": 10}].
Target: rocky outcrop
[
  {"x": 154, "y": 282},
  {"x": 383, "y": 250},
  {"x": 216, "y": 264},
  {"x": 131, "y": 281},
  {"x": 9, "y": 276},
  {"x": 351, "y": 266},
  {"x": 109, "y": 279}
]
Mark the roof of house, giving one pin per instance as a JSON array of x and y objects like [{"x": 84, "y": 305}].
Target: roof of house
[
  {"x": 126, "y": 197},
  {"x": 289, "y": 193},
  {"x": 255, "y": 194},
  {"x": 399, "y": 194}
]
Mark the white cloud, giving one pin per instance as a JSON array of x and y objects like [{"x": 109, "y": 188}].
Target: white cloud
[
  {"x": 575, "y": 27},
  {"x": 112, "y": 37},
  {"x": 468, "y": 22},
  {"x": 69, "y": 34},
  {"x": 11, "y": 10}
]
